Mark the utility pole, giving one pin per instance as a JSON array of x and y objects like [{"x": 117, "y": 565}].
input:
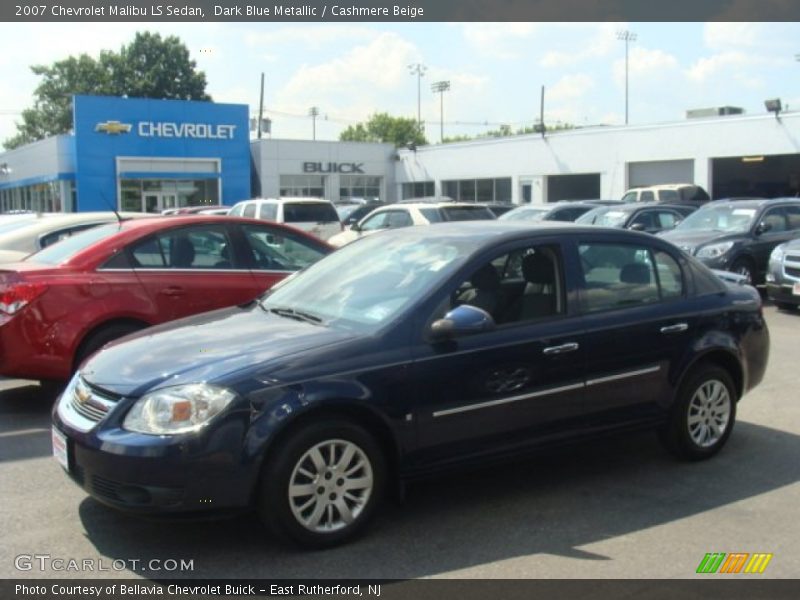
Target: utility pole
[
  {"x": 418, "y": 69},
  {"x": 441, "y": 87},
  {"x": 313, "y": 112},
  {"x": 626, "y": 36}
]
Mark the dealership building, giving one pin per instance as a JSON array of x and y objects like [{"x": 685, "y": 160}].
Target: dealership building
[{"x": 150, "y": 155}]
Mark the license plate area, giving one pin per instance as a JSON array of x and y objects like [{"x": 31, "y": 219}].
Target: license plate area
[
  {"x": 796, "y": 289},
  {"x": 60, "y": 448}
]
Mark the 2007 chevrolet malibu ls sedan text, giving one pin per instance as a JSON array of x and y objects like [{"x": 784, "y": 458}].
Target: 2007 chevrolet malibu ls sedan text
[{"x": 405, "y": 353}]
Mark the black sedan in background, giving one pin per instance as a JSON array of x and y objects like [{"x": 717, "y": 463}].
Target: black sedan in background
[
  {"x": 405, "y": 354},
  {"x": 738, "y": 235},
  {"x": 651, "y": 217}
]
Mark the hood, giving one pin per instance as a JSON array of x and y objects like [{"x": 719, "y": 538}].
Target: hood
[
  {"x": 205, "y": 347},
  {"x": 689, "y": 241}
]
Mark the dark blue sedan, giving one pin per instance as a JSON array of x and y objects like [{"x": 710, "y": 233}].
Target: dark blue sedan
[{"x": 405, "y": 354}]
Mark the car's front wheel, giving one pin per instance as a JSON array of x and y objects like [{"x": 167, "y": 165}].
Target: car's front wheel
[
  {"x": 702, "y": 415},
  {"x": 322, "y": 486}
]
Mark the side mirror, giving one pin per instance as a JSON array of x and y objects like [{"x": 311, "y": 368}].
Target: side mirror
[
  {"x": 462, "y": 320},
  {"x": 762, "y": 227},
  {"x": 637, "y": 227}
]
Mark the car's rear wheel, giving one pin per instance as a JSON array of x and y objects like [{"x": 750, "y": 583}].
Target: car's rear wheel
[
  {"x": 702, "y": 415},
  {"x": 99, "y": 338},
  {"x": 323, "y": 484}
]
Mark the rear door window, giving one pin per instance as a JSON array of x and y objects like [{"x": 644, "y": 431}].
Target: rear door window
[
  {"x": 202, "y": 247},
  {"x": 309, "y": 212},
  {"x": 269, "y": 211},
  {"x": 466, "y": 213},
  {"x": 249, "y": 211}
]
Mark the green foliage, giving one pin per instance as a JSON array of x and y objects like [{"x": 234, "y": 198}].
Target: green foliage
[
  {"x": 506, "y": 131},
  {"x": 382, "y": 127},
  {"x": 149, "y": 67}
]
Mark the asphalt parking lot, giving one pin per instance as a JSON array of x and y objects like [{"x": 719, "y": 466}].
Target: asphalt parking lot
[{"x": 615, "y": 508}]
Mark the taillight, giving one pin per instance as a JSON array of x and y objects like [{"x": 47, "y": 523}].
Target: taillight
[{"x": 16, "y": 296}]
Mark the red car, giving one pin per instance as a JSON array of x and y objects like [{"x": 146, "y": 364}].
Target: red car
[{"x": 63, "y": 303}]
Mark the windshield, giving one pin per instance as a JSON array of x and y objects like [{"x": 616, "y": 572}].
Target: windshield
[
  {"x": 64, "y": 250},
  {"x": 365, "y": 285},
  {"x": 604, "y": 217},
  {"x": 727, "y": 218},
  {"x": 525, "y": 213}
]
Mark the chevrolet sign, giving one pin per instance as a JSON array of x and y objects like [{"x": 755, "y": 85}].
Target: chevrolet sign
[
  {"x": 186, "y": 130},
  {"x": 113, "y": 127}
]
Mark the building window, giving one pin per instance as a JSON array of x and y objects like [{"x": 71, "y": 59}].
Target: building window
[
  {"x": 310, "y": 186},
  {"x": 417, "y": 189},
  {"x": 155, "y": 195},
  {"x": 39, "y": 197},
  {"x": 359, "y": 187},
  {"x": 478, "y": 190}
]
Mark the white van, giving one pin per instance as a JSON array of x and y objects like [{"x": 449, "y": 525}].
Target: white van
[{"x": 316, "y": 216}]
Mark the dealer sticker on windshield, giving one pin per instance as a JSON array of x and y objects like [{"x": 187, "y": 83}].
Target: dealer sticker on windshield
[{"x": 60, "y": 449}]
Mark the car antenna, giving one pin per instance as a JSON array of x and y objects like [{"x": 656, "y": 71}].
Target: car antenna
[{"x": 112, "y": 207}]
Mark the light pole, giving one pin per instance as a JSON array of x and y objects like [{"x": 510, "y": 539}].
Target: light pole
[
  {"x": 418, "y": 69},
  {"x": 626, "y": 36},
  {"x": 441, "y": 87},
  {"x": 313, "y": 112}
]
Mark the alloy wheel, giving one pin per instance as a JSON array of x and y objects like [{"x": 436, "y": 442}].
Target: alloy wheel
[
  {"x": 709, "y": 413},
  {"x": 330, "y": 486}
]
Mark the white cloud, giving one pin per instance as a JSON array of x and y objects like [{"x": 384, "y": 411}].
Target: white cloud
[
  {"x": 719, "y": 36},
  {"x": 498, "y": 40},
  {"x": 570, "y": 87},
  {"x": 646, "y": 63},
  {"x": 308, "y": 37},
  {"x": 586, "y": 42}
]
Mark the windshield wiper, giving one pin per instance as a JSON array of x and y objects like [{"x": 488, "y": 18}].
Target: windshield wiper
[{"x": 298, "y": 315}]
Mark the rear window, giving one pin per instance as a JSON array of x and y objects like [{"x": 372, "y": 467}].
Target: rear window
[
  {"x": 62, "y": 251},
  {"x": 322, "y": 212},
  {"x": 466, "y": 213}
]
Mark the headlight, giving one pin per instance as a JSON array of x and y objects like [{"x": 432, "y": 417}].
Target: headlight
[
  {"x": 178, "y": 409},
  {"x": 714, "y": 250},
  {"x": 777, "y": 254}
]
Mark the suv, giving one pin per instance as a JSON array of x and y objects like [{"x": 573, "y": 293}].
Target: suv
[
  {"x": 316, "y": 216},
  {"x": 405, "y": 214},
  {"x": 738, "y": 235},
  {"x": 672, "y": 192}
]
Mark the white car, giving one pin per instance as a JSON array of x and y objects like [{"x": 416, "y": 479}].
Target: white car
[
  {"x": 412, "y": 213},
  {"x": 668, "y": 192},
  {"x": 316, "y": 216},
  {"x": 41, "y": 230}
]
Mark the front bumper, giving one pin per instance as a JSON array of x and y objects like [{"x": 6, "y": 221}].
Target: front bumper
[
  {"x": 159, "y": 474},
  {"x": 778, "y": 292}
]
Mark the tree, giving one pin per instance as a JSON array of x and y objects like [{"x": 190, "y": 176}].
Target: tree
[
  {"x": 382, "y": 127},
  {"x": 149, "y": 67}
]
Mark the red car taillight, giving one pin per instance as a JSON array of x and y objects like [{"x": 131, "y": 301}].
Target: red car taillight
[{"x": 17, "y": 295}]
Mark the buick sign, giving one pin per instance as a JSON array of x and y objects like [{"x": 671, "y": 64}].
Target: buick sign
[{"x": 318, "y": 167}]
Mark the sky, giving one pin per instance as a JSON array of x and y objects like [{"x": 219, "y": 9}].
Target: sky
[{"x": 496, "y": 70}]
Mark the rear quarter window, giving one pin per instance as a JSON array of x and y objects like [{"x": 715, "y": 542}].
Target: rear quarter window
[
  {"x": 309, "y": 213},
  {"x": 466, "y": 213}
]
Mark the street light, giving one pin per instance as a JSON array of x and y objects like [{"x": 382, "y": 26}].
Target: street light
[
  {"x": 313, "y": 112},
  {"x": 441, "y": 87},
  {"x": 626, "y": 36},
  {"x": 418, "y": 69}
]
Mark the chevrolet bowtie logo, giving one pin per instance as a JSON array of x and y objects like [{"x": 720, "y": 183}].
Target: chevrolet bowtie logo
[{"x": 113, "y": 127}]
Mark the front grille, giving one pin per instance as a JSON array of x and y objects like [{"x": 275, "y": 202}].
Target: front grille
[
  {"x": 791, "y": 271},
  {"x": 90, "y": 403}
]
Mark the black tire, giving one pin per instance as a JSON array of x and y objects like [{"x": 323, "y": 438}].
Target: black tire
[
  {"x": 678, "y": 436},
  {"x": 786, "y": 306},
  {"x": 96, "y": 340},
  {"x": 744, "y": 266},
  {"x": 278, "y": 511}
]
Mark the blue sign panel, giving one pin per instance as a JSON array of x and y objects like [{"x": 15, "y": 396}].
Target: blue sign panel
[{"x": 132, "y": 130}]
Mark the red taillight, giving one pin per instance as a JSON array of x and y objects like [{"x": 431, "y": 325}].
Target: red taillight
[{"x": 15, "y": 296}]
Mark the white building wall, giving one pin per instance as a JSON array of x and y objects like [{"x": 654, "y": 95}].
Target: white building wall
[{"x": 603, "y": 150}]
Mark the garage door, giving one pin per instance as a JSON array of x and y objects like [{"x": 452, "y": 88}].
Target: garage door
[{"x": 662, "y": 171}]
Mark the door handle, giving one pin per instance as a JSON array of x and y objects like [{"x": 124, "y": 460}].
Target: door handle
[
  {"x": 562, "y": 349},
  {"x": 677, "y": 328},
  {"x": 173, "y": 291}
]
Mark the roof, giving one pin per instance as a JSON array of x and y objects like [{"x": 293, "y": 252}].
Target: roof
[
  {"x": 292, "y": 199},
  {"x": 751, "y": 203}
]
